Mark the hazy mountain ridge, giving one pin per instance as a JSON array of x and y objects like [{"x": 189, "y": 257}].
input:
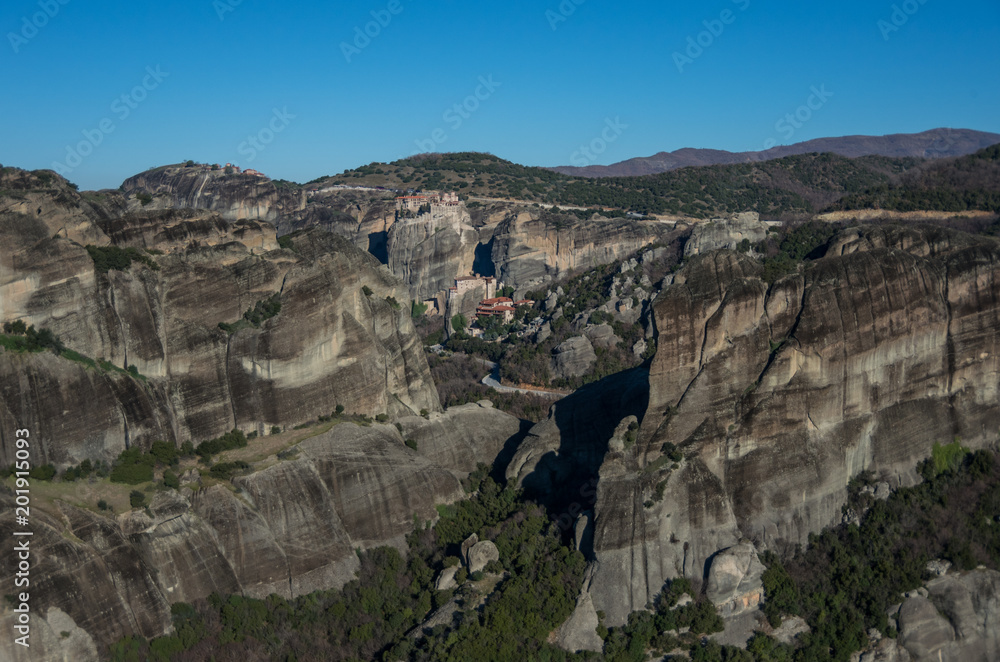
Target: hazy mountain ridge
[{"x": 936, "y": 143}]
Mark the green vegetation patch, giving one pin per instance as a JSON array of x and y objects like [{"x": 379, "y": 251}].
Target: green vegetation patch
[{"x": 108, "y": 258}]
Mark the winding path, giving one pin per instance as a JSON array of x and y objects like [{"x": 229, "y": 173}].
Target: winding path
[{"x": 492, "y": 380}]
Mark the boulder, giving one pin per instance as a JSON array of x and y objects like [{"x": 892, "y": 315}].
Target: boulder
[
  {"x": 481, "y": 554},
  {"x": 468, "y": 544},
  {"x": 601, "y": 335},
  {"x": 734, "y": 579},
  {"x": 572, "y": 358},
  {"x": 446, "y": 580}
]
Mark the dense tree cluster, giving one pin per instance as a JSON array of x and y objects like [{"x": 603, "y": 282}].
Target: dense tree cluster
[
  {"x": 968, "y": 183},
  {"x": 792, "y": 185}
]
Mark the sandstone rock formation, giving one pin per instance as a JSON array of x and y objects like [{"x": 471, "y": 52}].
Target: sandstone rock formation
[
  {"x": 572, "y": 357},
  {"x": 289, "y": 528},
  {"x": 232, "y": 195},
  {"x": 734, "y": 580},
  {"x": 957, "y": 620},
  {"x": 531, "y": 249},
  {"x": 480, "y": 554},
  {"x": 725, "y": 233},
  {"x": 429, "y": 251},
  {"x": 463, "y": 437},
  {"x": 579, "y": 632},
  {"x": 776, "y": 395},
  {"x": 330, "y": 344}
]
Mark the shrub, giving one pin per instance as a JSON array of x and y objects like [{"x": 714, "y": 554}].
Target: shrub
[
  {"x": 275, "y": 429},
  {"x": 102, "y": 505},
  {"x": 115, "y": 258},
  {"x": 366, "y": 290},
  {"x": 137, "y": 499},
  {"x": 263, "y": 310},
  {"x": 382, "y": 418},
  {"x": 948, "y": 457},
  {"x": 43, "y": 472},
  {"x": 411, "y": 444},
  {"x": 226, "y": 470},
  {"x": 133, "y": 467},
  {"x": 171, "y": 480},
  {"x": 164, "y": 452},
  {"x": 286, "y": 242}
]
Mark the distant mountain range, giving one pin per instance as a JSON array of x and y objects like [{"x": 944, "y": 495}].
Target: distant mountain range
[{"x": 936, "y": 143}]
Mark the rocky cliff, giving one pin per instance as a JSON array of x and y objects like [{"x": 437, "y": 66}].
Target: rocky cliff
[
  {"x": 290, "y": 528},
  {"x": 429, "y": 251},
  {"x": 341, "y": 336},
  {"x": 232, "y": 195},
  {"x": 531, "y": 248},
  {"x": 776, "y": 395}
]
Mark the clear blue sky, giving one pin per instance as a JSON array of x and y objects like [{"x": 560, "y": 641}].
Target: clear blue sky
[{"x": 557, "y": 86}]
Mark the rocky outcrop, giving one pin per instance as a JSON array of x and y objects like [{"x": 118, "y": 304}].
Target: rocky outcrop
[
  {"x": 481, "y": 554},
  {"x": 464, "y": 437},
  {"x": 952, "y": 618},
  {"x": 776, "y": 395},
  {"x": 579, "y": 632},
  {"x": 429, "y": 251},
  {"x": 290, "y": 528},
  {"x": 734, "y": 580},
  {"x": 232, "y": 195},
  {"x": 330, "y": 344},
  {"x": 572, "y": 358},
  {"x": 531, "y": 248},
  {"x": 725, "y": 233}
]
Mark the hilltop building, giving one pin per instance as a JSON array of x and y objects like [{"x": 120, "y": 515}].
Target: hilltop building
[
  {"x": 465, "y": 284},
  {"x": 433, "y": 198}
]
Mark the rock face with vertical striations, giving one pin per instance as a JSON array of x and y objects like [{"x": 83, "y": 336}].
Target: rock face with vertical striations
[
  {"x": 776, "y": 395},
  {"x": 429, "y": 251},
  {"x": 232, "y": 195},
  {"x": 532, "y": 248},
  {"x": 330, "y": 343}
]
